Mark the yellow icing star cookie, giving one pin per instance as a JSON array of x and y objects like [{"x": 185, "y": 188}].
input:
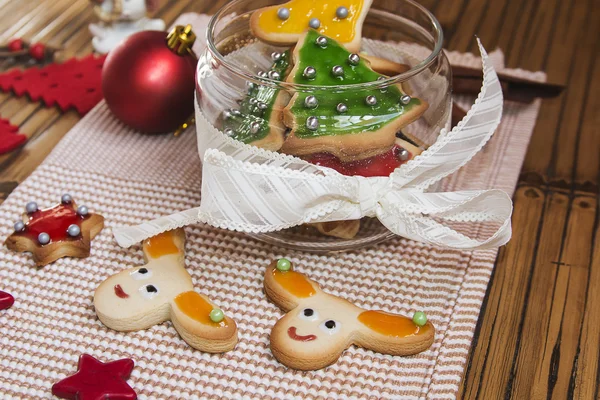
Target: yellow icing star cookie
[{"x": 341, "y": 20}]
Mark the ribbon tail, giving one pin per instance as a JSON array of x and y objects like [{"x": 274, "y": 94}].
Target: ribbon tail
[
  {"x": 127, "y": 236},
  {"x": 421, "y": 216}
]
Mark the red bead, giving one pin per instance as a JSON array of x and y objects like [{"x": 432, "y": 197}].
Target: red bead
[
  {"x": 6, "y": 300},
  {"x": 147, "y": 86},
  {"x": 15, "y": 45},
  {"x": 37, "y": 51}
]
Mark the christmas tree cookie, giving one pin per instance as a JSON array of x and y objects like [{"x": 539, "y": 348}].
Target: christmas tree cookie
[
  {"x": 258, "y": 121},
  {"x": 284, "y": 24},
  {"x": 350, "y": 123}
]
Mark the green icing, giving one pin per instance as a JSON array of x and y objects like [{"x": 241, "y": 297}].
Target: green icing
[
  {"x": 240, "y": 121},
  {"x": 360, "y": 116}
]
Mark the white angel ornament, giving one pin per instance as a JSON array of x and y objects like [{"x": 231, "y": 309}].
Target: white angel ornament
[{"x": 120, "y": 19}]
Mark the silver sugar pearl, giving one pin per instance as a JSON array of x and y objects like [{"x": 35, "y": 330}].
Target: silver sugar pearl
[
  {"x": 263, "y": 74},
  {"x": 254, "y": 127},
  {"x": 19, "y": 226},
  {"x": 66, "y": 198},
  {"x": 312, "y": 123},
  {"x": 276, "y": 56},
  {"x": 341, "y": 12},
  {"x": 309, "y": 72},
  {"x": 283, "y": 13},
  {"x": 226, "y": 114},
  {"x": 43, "y": 238},
  {"x": 405, "y": 99},
  {"x": 261, "y": 105},
  {"x": 337, "y": 71},
  {"x": 274, "y": 75},
  {"x": 341, "y": 108},
  {"x": 371, "y": 100},
  {"x": 250, "y": 85},
  {"x": 228, "y": 132},
  {"x": 82, "y": 211},
  {"x": 236, "y": 113},
  {"x": 311, "y": 102},
  {"x": 73, "y": 230},
  {"x": 314, "y": 23},
  {"x": 403, "y": 154},
  {"x": 321, "y": 41},
  {"x": 31, "y": 207},
  {"x": 353, "y": 59},
  {"x": 252, "y": 100}
]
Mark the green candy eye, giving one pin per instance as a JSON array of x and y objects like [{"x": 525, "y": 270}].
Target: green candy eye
[
  {"x": 216, "y": 315},
  {"x": 419, "y": 318},
  {"x": 283, "y": 264}
]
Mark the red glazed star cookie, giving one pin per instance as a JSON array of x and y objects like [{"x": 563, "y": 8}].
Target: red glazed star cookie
[
  {"x": 341, "y": 20},
  {"x": 96, "y": 380},
  {"x": 161, "y": 290},
  {"x": 6, "y": 300},
  {"x": 64, "y": 230},
  {"x": 318, "y": 326}
]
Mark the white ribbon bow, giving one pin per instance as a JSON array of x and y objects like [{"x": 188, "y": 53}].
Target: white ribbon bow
[{"x": 253, "y": 190}]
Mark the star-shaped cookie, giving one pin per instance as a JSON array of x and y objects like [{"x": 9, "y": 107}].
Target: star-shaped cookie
[
  {"x": 64, "y": 230},
  {"x": 96, "y": 380}
]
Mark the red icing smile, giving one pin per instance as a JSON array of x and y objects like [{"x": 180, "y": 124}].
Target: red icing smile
[
  {"x": 292, "y": 334},
  {"x": 120, "y": 292}
]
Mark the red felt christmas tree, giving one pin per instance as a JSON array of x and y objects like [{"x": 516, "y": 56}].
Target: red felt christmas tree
[
  {"x": 73, "y": 84},
  {"x": 10, "y": 138}
]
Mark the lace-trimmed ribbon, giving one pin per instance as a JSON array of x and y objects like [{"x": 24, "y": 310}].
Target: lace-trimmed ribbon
[{"x": 253, "y": 190}]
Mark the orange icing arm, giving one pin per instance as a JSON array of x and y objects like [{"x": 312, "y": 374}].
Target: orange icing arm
[
  {"x": 161, "y": 245},
  {"x": 196, "y": 307},
  {"x": 391, "y": 324},
  {"x": 294, "y": 283}
]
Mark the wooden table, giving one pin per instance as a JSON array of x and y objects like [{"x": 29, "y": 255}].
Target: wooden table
[{"x": 539, "y": 331}]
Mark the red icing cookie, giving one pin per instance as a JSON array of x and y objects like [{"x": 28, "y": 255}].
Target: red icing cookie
[
  {"x": 96, "y": 380},
  {"x": 64, "y": 230},
  {"x": 380, "y": 165},
  {"x": 6, "y": 300}
]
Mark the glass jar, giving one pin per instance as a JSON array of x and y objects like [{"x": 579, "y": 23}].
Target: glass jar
[{"x": 236, "y": 64}]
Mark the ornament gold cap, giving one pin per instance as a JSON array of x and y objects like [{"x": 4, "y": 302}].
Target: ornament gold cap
[{"x": 181, "y": 39}]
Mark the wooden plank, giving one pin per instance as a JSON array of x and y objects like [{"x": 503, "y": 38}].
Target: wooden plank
[
  {"x": 562, "y": 62},
  {"x": 585, "y": 370},
  {"x": 587, "y": 168},
  {"x": 554, "y": 310},
  {"x": 498, "y": 333},
  {"x": 36, "y": 150}
]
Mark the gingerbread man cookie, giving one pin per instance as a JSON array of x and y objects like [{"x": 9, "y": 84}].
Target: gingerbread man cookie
[
  {"x": 64, "y": 230},
  {"x": 338, "y": 19},
  {"x": 349, "y": 123},
  {"x": 318, "y": 326},
  {"x": 140, "y": 297}
]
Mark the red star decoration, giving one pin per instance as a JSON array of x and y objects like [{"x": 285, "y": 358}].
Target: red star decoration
[
  {"x": 73, "y": 84},
  {"x": 10, "y": 138},
  {"x": 6, "y": 300},
  {"x": 96, "y": 380}
]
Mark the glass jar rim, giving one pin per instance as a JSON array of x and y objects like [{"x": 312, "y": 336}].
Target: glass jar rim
[{"x": 391, "y": 80}]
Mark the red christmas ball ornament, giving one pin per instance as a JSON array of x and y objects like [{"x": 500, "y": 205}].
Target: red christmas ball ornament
[
  {"x": 15, "y": 45},
  {"x": 148, "y": 80},
  {"x": 37, "y": 51}
]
